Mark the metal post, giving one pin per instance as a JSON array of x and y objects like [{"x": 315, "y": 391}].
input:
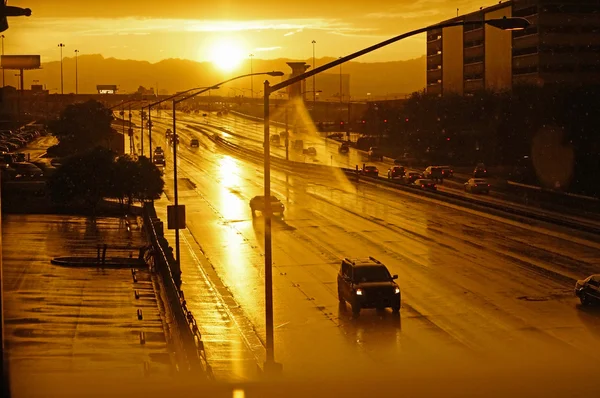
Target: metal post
[
  {"x": 2, "y": 54},
  {"x": 251, "y": 77},
  {"x": 341, "y": 94},
  {"x": 314, "y": 76},
  {"x": 268, "y": 249},
  {"x": 5, "y": 377},
  {"x": 177, "y": 272},
  {"x": 131, "y": 141},
  {"x": 150, "y": 130},
  {"x": 62, "y": 90},
  {"x": 348, "y": 123},
  {"x": 142, "y": 117},
  {"x": 76, "y": 74},
  {"x": 287, "y": 135}
]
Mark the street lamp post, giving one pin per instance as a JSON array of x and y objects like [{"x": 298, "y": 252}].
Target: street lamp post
[
  {"x": 314, "y": 77},
  {"x": 251, "y": 76},
  {"x": 176, "y": 194},
  {"x": 2, "y": 54},
  {"x": 341, "y": 89},
  {"x": 76, "y": 74},
  {"x": 501, "y": 23},
  {"x": 62, "y": 90}
]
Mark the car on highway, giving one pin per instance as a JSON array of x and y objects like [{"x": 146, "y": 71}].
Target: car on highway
[
  {"x": 411, "y": 177},
  {"x": 375, "y": 154},
  {"x": 367, "y": 283},
  {"x": 173, "y": 138},
  {"x": 159, "y": 160},
  {"x": 434, "y": 173},
  {"x": 396, "y": 172},
  {"x": 588, "y": 290},
  {"x": 194, "y": 143},
  {"x": 311, "y": 151},
  {"x": 275, "y": 140},
  {"x": 344, "y": 148},
  {"x": 298, "y": 145},
  {"x": 477, "y": 185},
  {"x": 257, "y": 203},
  {"x": 370, "y": 171},
  {"x": 159, "y": 151},
  {"x": 425, "y": 183},
  {"x": 447, "y": 171},
  {"x": 168, "y": 133},
  {"x": 480, "y": 171}
]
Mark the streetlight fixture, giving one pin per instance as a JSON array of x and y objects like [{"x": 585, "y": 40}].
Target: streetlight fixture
[
  {"x": 76, "y": 74},
  {"x": 175, "y": 102},
  {"x": 314, "y": 77},
  {"x": 501, "y": 23},
  {"x": 62, "y": 91}
]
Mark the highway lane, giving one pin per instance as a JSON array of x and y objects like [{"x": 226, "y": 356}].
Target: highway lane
[{"x": 472, "y": 284}]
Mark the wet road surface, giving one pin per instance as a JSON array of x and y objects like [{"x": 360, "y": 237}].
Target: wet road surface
[{"x": 476, "y": 289}]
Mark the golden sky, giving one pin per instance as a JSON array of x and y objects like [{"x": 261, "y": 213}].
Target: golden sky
[{"x": 224, "y": 31}]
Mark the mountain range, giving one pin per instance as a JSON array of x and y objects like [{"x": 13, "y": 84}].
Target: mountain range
[{"x": 394, "y": 78}]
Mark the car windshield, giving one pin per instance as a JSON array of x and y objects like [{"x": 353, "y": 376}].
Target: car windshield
[
  {"x": 371, "y": 274},
  {"x": 371, "y": 168},
  {"x": 480, "y": 181}
]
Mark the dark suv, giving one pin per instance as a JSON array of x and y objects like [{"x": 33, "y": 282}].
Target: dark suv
[{"x": 367, "y": 283}]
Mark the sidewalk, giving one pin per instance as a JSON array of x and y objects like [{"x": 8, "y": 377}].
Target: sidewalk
[
  {"x": 232, "y": 347},
  {"x": 68, "y": 323}
]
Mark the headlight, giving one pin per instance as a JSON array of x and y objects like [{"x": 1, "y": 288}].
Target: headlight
[
  {"x": 359, "y": 292},
  {"x": 397, "y": 291}
]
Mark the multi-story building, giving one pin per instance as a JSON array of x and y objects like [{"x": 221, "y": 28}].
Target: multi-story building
[{"x": 562, "y": 45}]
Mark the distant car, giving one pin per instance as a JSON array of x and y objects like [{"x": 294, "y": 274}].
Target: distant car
[
  {"x": 257, "y": 203},
  {"x": 367, "y": 283},
  {"x": 434, "y": 173},
  {"x": 375, "y": 154},
  {"x": 411, "y": 177},
  {"x": 447, "y": 171},
  {"x": 275, "y": 140},
  {"x": 311, "y": 151},
  {"x": 344, "y": 148},
  {"x": 159, "y": 160},
  {"x": 480, "y": 171},
  {"x": 194, "y": 143},
  {"x": 283, "y": 135},
  {"x": 168, "y": 133},
  {"x": 158, "y": 150},
  {"x": 299, "y": 145},
  {"x": 477, "y": 185},
  {"x": 425, "y": 183},
  {"x": 370, "y": 171},
  {"x": 173, "y": 138},
  {"x": 396, "y": 172},
  {"x": 588, "y": 290}
]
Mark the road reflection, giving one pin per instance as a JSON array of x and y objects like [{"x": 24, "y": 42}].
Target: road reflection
[{"x": 373, "y": 330}]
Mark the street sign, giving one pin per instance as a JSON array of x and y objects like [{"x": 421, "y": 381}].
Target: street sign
[{"x": 172, "y": 213}]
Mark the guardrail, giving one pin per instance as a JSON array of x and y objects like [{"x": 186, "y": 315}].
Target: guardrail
[{"x": 185, "y": 335}]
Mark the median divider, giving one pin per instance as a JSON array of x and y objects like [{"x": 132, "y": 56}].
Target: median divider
[{"x": 182, "y": 327}]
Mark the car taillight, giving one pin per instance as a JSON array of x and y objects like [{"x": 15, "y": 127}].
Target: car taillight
[
  {"x": 475, "y": 184},
  {"x": 422, "y": 186},
  {"x": 376, "y": 171},
  {"x": 489, "y": 185}
]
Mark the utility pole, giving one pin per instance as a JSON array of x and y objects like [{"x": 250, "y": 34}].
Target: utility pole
[
  {"x": 76, "y": 74},
  {"x": 62, "y": 90},
  {"x": 251, "y": 77},
  {"x": 130, "y": 132},
  {"x": 314, "y": 76},
  {"x": 2, "y": 54},
  {"x": 341, "y": 94}
]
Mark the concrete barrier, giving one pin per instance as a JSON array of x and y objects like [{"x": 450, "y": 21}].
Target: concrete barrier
[{"x": 189, "y": 358}]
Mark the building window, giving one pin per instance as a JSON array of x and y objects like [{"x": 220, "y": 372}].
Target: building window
[
  {"x": 473, "y": 43},
  {"x": 525, "y": 70},
  {"x": 524, "y": 51}
]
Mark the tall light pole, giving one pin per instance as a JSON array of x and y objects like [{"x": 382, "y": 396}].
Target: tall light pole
[
  {"x": 501, "y": 23},
  {"x": 176, "y": 196},
  {"x": 76, "y": 74},
  {"x": 341, "y": 89},
  {"x": 2, "y": 54},
  {"x": 62, "y": 90},
  {"x": 251, "y": 76},
  {"x": 314, "y": 77}
]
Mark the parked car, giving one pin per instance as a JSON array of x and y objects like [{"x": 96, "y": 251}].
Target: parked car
[
  {"x": 396, "y": 172},
  {"x": 194, "y": 143},
  {"x": 588, "y": 290},
  {"x": 447, "y": 171},
  {"x": 425, "y": 183},
  {"x": 477, "y": 185},
  {"x": 275, "y": 140},
  {"x": 26, "y": 171},
  {"x": 370, "y": 171},
  {"x": 367, "y": 283},
  {"x": 299, "y": 145},
  {"x": 344, "y": 148},
  {"x": 257, "y": 203}
]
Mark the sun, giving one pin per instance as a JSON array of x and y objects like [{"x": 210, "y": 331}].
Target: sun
[{"x": 226, "y": 54}]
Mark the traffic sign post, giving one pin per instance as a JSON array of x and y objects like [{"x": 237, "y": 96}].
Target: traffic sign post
[{"x": 176, "y": 217}]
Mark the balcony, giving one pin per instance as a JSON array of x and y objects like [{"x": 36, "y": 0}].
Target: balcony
[
  {"x": 435, "y": 88},
  {"x": 473, "y": 35},
  {"x": 532, "y": 40},
  {"x": 473, "y": 69},
  {"x": 473, "y": 52},
  {"x": 433, "y": 61},
  {"x": 525, "y": 61},
  {"x": 434, "y": 74},
  {"x": 473, "y": 85}
]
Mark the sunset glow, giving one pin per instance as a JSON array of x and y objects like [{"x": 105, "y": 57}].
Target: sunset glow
[{"x": 226, "y": 54}]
